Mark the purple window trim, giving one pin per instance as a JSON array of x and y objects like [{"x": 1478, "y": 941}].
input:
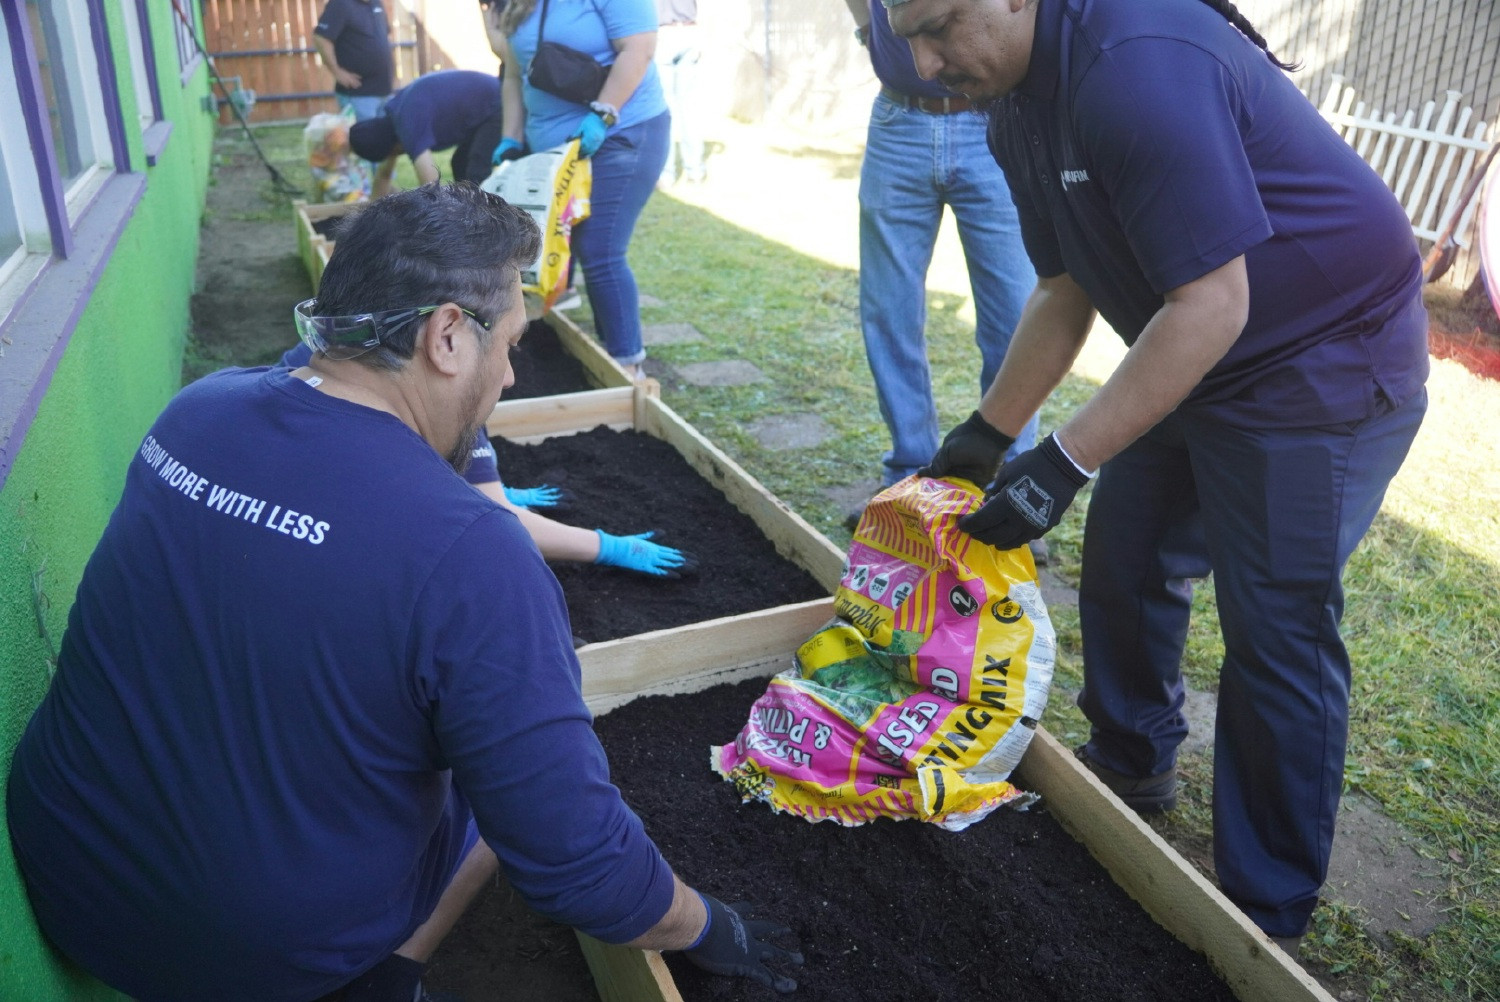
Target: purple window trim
[
  {"x": 109, "y": 85},
  {"x": 33, "y": 110},
  {"x": 154, "y": 139},
  {"x": 148, "y": 53},
  {"x": 190, "y": 69},
  {"x": 41, "y": 326}
]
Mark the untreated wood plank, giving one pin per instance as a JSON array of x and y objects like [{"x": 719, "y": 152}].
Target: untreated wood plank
[
  {"x": 693, "y": 657},
  {"x": 530, "y": 420},
  {"x": 625, "y": 975},
  {"x": 1176, "y": 895}
]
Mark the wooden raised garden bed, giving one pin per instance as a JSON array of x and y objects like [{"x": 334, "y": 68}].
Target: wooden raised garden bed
[{"x": 691, "y": 659}]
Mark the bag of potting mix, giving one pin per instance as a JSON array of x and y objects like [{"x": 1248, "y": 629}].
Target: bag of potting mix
[
  {"x": 338, "y": 175},
  {"x": 919, "y": 698},
  {"x": 553, "y": 186}
]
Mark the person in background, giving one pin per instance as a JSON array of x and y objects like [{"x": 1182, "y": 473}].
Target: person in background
[
  {"x": 556, "y": 540},
  {"x": 1170, "y": 175},
  {"x": 449, "y": 109},
  {"x": 677, "y": 56},
  {"x": 925, "y": 151},
  {"x": 353, "y": 40},
  {"x": 625, "y": 131},
  {"x": 307, "y": 703}
]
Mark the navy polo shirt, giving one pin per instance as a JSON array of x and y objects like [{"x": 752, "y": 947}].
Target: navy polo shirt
[
  {"x": 361, "y": 43},
  {"x": 1152, "y": 143},
  {"x": 483, "y": 467},
  {"x": 890, "y": 55},
  {"x": 442, "y": 109},
  {"x": 299, "y": 634}
]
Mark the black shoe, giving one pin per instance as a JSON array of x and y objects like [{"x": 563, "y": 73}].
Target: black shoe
[{"x": 1144, "y": 795}]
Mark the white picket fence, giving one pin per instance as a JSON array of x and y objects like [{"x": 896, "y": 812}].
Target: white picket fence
[{"x": 1425, "y": 163}]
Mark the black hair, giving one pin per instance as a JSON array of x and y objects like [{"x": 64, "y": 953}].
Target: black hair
[
  {"x": 440, "y": 243},
  {"x": 1232, "y": 14}
]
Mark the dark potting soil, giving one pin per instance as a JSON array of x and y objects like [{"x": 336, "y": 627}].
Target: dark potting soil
[
  {"x": 328, "y": 227},
  {"x": 626, "y": 482},
  {"x": 1010, "y": 908},
  {"x": 543, "y": 366}
]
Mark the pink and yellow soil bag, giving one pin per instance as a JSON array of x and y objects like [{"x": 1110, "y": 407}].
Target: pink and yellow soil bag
[{"x": 918, "y": 700}]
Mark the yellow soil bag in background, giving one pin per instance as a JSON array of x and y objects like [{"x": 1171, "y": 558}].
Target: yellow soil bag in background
[
  {"x": 554, "y": 187},
  {"x": 919, "y": 699}
]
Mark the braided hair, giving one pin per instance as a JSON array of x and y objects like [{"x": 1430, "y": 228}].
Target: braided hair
[{"x": 1232, "y": 14}]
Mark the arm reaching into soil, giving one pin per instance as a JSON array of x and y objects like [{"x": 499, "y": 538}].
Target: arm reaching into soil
[{"x": 720, "y": 938}]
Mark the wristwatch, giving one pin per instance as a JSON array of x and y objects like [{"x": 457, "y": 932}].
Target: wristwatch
[
  {"x": 608, "y": 112},
  {"x": 862, "y": 35}
]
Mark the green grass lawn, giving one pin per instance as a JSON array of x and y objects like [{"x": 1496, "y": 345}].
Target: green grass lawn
[{"x": 761, "y": 260}]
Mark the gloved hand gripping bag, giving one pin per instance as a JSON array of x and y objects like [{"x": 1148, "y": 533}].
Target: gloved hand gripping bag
[{"x": 918, "y": 699}]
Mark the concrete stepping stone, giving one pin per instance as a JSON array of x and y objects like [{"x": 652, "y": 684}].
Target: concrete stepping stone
[
  {"x": 655, "y": 334},
  {"x": 791, "y": 431},
  {"x": 734, "y": 372}
]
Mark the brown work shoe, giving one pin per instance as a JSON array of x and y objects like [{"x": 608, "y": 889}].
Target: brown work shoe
[{"x": 1142, "y": 794}]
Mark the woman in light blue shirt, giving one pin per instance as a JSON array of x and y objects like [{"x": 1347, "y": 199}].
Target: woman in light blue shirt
[{"x": 626, "y": 130}]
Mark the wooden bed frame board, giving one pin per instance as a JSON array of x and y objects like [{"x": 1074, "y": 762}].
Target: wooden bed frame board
[
  {"x": 1173, "y": 893},
  {"x": 313, "y": 247}
]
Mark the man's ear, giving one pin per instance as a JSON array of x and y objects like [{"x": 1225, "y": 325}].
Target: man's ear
[{"x": 440, "y": 340}]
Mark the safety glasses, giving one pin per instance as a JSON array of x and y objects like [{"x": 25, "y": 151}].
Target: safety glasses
[{"x": 346, "y": 337}]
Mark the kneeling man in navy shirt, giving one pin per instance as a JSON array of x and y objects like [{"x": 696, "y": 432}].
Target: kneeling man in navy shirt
[
  {"x": 308, "y": 703},
  {"x": 1171, "y": 177}
]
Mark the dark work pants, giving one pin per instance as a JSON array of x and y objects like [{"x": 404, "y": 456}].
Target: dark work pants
[
  {"x": 471, "y": 160},
  {"x": 1274, "y": 514}
]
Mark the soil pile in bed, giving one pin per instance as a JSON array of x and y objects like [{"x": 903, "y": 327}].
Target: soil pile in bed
[
  {"x": 626, "y": 482},
  {"x": 1011, "y": 908},
  {"x": 543, "y": 366}
]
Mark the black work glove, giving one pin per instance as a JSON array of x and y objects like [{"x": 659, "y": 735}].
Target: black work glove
[
  {"x": 1030, "y": 495},
  {"x": 972, "y": 450},
  {"x": 736, "y": 945}
]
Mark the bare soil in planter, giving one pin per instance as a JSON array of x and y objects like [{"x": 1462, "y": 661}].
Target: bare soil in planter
[
  {"x": 544, "y": 367},
  {"x": 626, "y": 482}
]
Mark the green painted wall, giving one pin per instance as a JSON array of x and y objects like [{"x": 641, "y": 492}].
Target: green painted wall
[{"x": 120, "y": 368}]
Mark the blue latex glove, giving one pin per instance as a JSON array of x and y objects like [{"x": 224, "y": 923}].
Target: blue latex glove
[
  {"x": 638, "y": 553},
  {"x": 509, "y": 149},
  {"x": 590, "y": 134},
  {"x": 538, "y": 497}
]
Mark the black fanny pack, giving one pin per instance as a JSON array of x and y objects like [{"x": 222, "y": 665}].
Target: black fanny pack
[{"x": 565, "y": 72}]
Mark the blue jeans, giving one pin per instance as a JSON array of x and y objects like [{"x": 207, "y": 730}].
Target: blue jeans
[
  {"x": 364, "y": 107},
  {"x": 677, "y": 55},
  {"x": 915, "y": 163},
  {"x": 1274, "y": 514},
  {"x": 625, "y": 171}
]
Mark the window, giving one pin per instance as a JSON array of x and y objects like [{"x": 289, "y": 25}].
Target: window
[
  {"x": 185, "y": 23},
  {"x": 71, "y": 89},
  {"x": 142, "y": 65},
  {"x": 24, "y": 236}
]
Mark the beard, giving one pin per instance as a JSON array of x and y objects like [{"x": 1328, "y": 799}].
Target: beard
[{"x": 461, "y": 452}]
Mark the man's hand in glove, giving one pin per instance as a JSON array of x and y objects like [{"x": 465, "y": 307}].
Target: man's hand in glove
[
  {"x": 972, "y": 450},
  {"x": 638, "y": 553},
  {"x": 1030, "y": 495},
  {"x": 737, "y": 945},
  {"x": 539, "y": 497}
]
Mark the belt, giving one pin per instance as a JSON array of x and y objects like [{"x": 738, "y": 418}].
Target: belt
[{"x": 931, "y": 105}]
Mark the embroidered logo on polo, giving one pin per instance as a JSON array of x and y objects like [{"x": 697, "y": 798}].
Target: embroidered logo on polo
[
  {"x": 1030, "y": 500},
  {"x": 1073, "y": 177}
]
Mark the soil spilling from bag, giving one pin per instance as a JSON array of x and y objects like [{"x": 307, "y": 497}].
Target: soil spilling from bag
[{"x": 626, "y": 482}]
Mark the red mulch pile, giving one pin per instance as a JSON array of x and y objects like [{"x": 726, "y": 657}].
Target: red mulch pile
[{"x": 1465, "y": 327}]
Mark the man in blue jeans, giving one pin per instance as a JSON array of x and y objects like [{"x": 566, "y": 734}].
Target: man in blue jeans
[{"x": 927, "y": 149}]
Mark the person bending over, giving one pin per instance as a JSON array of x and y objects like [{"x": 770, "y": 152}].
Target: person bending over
[{"x": 306, "y": 704}]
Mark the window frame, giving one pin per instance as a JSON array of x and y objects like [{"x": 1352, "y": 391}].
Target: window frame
[{"x": 189, "y": 53}]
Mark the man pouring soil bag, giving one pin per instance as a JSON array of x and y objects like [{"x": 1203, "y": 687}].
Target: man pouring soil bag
[{"x": 920, "y": 698}]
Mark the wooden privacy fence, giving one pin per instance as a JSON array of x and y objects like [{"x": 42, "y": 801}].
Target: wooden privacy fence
[
  {"x": 268, "y": 45},
  {"x": 1425, "y": 162}
]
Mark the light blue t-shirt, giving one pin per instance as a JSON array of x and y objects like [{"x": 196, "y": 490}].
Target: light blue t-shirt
[{"x": 588, "y": 26}]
